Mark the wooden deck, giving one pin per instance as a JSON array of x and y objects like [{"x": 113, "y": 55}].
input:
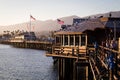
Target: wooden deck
[
  {"x": 65, "y": 56},
  {"x": 98, "y": 65}
]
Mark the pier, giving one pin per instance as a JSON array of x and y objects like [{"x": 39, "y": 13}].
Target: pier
[
  {"x": 76, "y": 53},
  {"x": 29, "y": 44},
  {"x": 73, "y": 65},
  {"x": 79, "y": 60},
  {"x": 78, "y": 63}
]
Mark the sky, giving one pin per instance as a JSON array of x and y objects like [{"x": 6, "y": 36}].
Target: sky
[{"x": 18, "y": 11}]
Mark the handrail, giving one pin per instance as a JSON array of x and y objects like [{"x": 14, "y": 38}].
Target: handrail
[
  {"x": 115, "y": 58},
  {"x": 69, "y": 50},
  {"x": 92, "y": 71},
  {"x": 114, "y": 51}
]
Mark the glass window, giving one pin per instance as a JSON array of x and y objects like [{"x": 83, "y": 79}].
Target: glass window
[
  {"x": 57, "y": 40},
  {"x": 76, "y": 40},
  {"x": 83, "y": 40},
  {"x": 66, "y": 40},
  {"x": 71, "y": 40},
  {"x": 62, "y": 39}
]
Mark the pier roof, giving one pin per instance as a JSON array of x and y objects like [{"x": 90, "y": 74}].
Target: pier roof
[
  {"x": 67, "y": 32},
  {"x": 92, "y": 24}
]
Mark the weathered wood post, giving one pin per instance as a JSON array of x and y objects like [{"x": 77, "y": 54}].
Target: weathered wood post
[
  {"x": 74, "y": 70},
  {"x": 72, "y": 51},
  {"x": 59, "y": 69}
]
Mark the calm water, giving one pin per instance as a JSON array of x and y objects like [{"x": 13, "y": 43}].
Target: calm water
[{"x": 25, "y": 64}]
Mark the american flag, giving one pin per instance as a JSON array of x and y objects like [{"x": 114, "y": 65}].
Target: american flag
[
  {"x": 31, "y": 17},
  {"x": 60, "y": 21}
]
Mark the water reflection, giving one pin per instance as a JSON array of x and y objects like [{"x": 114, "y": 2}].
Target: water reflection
[{"x": 25, "y": 64}]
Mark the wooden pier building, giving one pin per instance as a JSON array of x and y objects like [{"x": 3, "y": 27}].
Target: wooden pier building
[
  {"x": 77, "y": 59},
  {"x": 70, "y": 49}
]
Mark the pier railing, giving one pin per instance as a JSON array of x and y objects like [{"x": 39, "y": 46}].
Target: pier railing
[
  {"x": 111, "y": 58},
  {"x": 42, "y": 45},
  {"x": 105, "y": 63},
  {"x": 68, "y": 52}
]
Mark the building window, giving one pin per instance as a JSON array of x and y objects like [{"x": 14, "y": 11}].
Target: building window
[
  {"x": 76, "y": 40},
  {"x": 83, "y": 40},
  {"x": 58, "y": 40},
  {"x": 66, "y": 40},
  {"x": 71, "y": 40},
  {"x": 62, "y": 39}
]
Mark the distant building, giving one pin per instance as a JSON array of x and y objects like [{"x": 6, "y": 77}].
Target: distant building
[
  {"x": 23, "y": 37},
  {"x": 76, "y": 21},
  {"x": 65, "y": 26},
  {"x": 5, "y": 37}
]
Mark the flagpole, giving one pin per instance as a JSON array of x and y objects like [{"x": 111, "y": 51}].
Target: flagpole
[
  {"x": 30, "y": 23},
  {"x": 30, "y": 27}
]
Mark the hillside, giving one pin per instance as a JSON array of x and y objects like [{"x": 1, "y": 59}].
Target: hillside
[
  {"x": 38, "y": 26},
  {"x": 113, "y": 14}
]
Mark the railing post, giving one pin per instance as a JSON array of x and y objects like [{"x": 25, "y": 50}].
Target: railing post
[
  {"x": 72, "y": 51},
  {"x": 62, "y": 50},
  {"x": 77, "y": 51},
  {"x": 111, "y": 66},
  {"x": 74, "y": 71},
  {"x": 116, "y": 66}
]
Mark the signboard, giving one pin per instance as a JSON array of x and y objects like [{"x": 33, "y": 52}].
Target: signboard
[{"x": 104, "y": 19}]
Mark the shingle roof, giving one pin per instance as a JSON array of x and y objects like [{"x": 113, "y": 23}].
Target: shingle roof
[
  {"x": 92, "y": 24},
  {"x": 86, "y": 25}
]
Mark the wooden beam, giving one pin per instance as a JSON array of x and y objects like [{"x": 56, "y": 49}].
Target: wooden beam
[
  {"x": 92, "y": 71},
  {"x": 64, "y": 56}
]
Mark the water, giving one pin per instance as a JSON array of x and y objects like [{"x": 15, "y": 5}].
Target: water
[{"x": 25, "y": 64}]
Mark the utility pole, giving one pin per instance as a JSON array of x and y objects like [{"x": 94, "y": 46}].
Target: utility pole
[{"x": 114, "y": 30}]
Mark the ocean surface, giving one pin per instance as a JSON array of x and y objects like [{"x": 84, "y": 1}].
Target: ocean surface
[{"x": 25, "y": 64}]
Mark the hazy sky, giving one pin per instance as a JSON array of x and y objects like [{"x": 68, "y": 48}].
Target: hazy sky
[{"x": 18, "y": 11}]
